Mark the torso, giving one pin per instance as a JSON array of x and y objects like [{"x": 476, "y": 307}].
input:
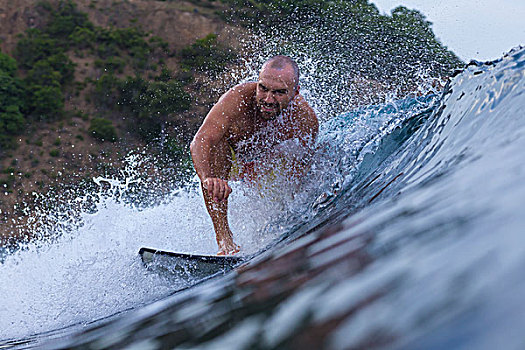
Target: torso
[{"x": 244, "y": 124}]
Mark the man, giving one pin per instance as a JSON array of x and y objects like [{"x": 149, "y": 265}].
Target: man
[{"x": 247, "y": 126}]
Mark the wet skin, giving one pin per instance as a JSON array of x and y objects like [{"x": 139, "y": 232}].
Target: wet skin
[{"x": 241, "y": 113}]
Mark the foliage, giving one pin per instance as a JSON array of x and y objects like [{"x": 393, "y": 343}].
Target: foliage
[
  {"x": 54, "y": 153},
  {"x": 34, "y": 46},
  {"x": 145, "y": 98},
  {"x": 46, "y": 103},
  {"x": 58, "y": 35},
  {"x": 8, "y": 64},
  {"x": 82, "y": 38},
  {"x": 112, "y": 64},
  {"x": 157, "y": 41},
  {"x": 102, "y": 129},
  {"x": 165, "y": 75},
  {"x": 42, "y": 53},
  {"x": 64, "y": 66},
  {"x": 56, "y": 70},
  {"x": 206, "y": 55},
  {"x": 177, "y": 152},
  {"x": 11, "y": 102},
  {"x": 373, "y": 45},
  {"x": 150, "y": 103},
  {"x": 11, "y": 123},
  {"x": 106, "y": 91},
  {"x": 117, "y": 41},
  {"x": 147, "y": 104},
  {"x": 178, "y": 157},
  {"x": 123, "y": 38},
  {"x": 65, "y": 19}
]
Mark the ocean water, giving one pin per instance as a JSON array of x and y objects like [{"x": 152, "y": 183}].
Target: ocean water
[{"x": 408, "y": 233}]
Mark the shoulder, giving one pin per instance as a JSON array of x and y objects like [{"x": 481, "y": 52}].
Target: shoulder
[
  {"x": 234, "y": 99},
  {"x": 242, "y": 91},
  {"x": 305, "y": 113}
]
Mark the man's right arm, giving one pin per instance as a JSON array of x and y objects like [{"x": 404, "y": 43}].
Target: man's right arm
[{"x": 209, "y": 138}]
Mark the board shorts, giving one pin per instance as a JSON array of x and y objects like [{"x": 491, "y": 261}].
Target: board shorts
[
  {"x": 245, "y": 171},
  {"x": 237, "y": 168}
]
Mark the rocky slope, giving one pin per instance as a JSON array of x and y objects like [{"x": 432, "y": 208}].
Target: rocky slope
[
  {"x": 57, "y": 153},
  {"x": 142, "y": 65}
]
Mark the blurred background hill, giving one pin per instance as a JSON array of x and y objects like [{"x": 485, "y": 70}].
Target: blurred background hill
[{"x": 85, "y": 82}]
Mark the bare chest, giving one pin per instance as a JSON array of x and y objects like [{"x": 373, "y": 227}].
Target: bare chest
[
  {"x": 251, "y": 139},
  {"x": 241, "y": 130}
]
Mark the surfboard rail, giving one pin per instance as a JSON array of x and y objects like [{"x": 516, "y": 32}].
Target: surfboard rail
[
  {"x": 148, "y": 253},
  {"x": 187, "y": 268}
]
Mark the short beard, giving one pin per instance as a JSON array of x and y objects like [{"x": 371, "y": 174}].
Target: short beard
[{"x": 267, "y": 115}]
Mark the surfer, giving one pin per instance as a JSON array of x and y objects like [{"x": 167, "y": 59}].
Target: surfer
[{"x": 246, "y": 130}]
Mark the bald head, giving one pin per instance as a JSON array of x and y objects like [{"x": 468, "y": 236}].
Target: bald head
[{"x": 282, "y": 62}]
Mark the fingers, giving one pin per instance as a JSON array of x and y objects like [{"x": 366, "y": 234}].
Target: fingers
[
  {"x": 217, "y": 188},
  {"x": 228, "y": 191},
  {"x": 223, "y": 191},
  {"x": 220, "y": 191}
]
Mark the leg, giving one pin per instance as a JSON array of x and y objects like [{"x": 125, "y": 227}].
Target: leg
[{"x": 220, "y": 167}]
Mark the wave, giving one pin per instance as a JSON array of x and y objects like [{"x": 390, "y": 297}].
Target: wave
[{"x": 407, "y": 234}]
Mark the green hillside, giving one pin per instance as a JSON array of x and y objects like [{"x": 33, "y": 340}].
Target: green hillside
[{"x": 77, "y": 96}]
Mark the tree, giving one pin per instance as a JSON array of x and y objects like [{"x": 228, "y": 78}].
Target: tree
[
  {"x": 103, "y": 130},
  {"x": 206, "y": 55},
  {"x": 11, "y": 102},
  {"x": 45, "y": 102},
  {"x": 7, "y": 65},
  {"x": 151, "y": 103}
]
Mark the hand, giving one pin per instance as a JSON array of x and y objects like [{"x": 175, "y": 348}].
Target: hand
[{"x": 218, "y": 189}]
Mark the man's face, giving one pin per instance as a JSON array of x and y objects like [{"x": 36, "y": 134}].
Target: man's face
[{"x": 275, "y": 90}]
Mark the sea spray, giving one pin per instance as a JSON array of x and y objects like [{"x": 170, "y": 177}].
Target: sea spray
[
  {"x": 83, "y": 264},
  {"x": 85, "y": 269},
  {"x": 422, "y": 251}
]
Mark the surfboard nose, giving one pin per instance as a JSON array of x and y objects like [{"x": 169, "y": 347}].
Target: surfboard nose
[{"x": 187, "y": 268}]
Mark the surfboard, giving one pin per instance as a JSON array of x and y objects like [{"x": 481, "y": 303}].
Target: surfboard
[{"x": 187, "y": 267}]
